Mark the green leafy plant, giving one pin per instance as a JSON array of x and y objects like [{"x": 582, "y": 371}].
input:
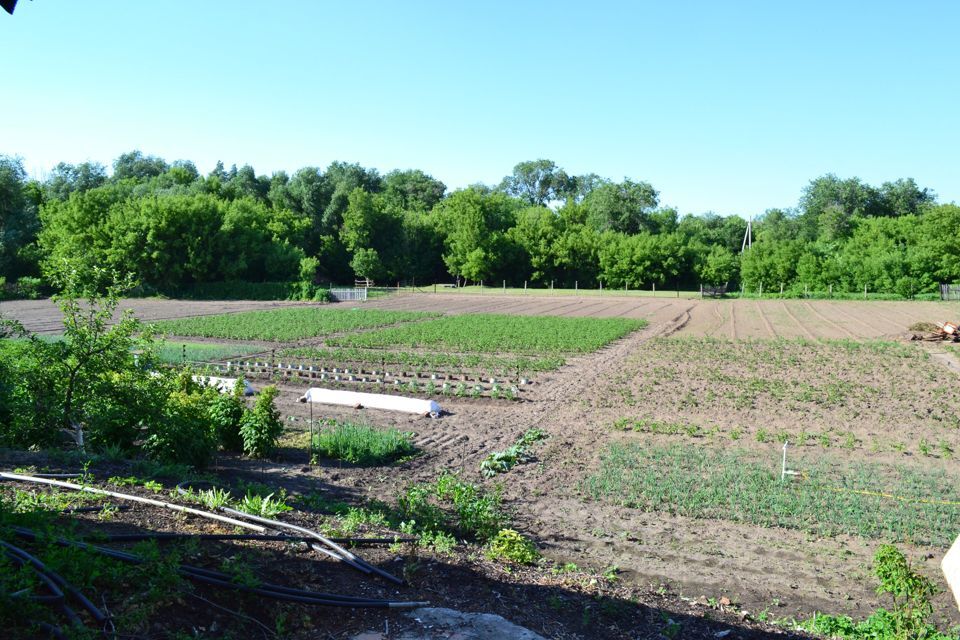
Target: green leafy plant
[
  {"x": 510, "y": 545},
  {"x": 362, "y": 444},
  {"x": 909, "y": 618},
  {"x": 261, "y": 427},
  {"x": 265, "y": 506}
]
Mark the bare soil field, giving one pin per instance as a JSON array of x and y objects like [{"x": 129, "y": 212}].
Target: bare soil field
[
  {"x": 43, "y": 317},
  {"x": 720, "y": 318},
  {"x": 713, "y": 375}
]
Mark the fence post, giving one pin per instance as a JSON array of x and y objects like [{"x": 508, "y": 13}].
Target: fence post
[
  {"x": 504, "y": 286},
  {"x": 761, "y": 288},
  {"x": 524, "y": 286},
  {"x": 576, "y": 287},
  {"x": 481, "y": 287},
  {"x": 864, "y": 292},
  {"x": 654, "y": 289},
  {"x": 551, "y": 286},
  {"x": 701, "y": 290},
  {"x": 830, "y": 289},
  {"x": 804, "y": 290},
  {"x": 601, "y": 288},
  {"x": 781, "y": 288}
]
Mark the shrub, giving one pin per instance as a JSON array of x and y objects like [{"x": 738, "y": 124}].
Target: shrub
[
  {"x": 226, "y": 413},
  {"x": 29, "y": 288},
  {"x": 184, "y": 435},
  {"x": 512, "y": 546},
  {"x": 909, "y": 618},
  {"x": 261, "y": 428}
]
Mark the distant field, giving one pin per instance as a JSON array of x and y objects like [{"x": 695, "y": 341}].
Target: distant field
[
  {"x": 489, "y": 333},
  {"x": 424, "y": 360},
  {"x": 176, "y": 352},
  {"x": 286, "y": 324}
]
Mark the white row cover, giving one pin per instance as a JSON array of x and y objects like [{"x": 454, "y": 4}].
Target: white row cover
[
  {"x": 372, "y": 401},
  {"x": 223, "y": 385}
]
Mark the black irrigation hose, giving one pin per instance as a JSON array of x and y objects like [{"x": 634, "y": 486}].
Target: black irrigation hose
[
  {"x": 56, "y": 596},
  {"x": 220, "y": 579},
  {"x": 163, "y": 536},
  {"x": 364, "y": 566},
  {"x": 333, "y": 549},
  {"x": 65, "y": 586},
  {"x": 56, "y": 632}
]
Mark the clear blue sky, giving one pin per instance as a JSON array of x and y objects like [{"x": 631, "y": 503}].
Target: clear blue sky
[{"x": 724, "y": 106}]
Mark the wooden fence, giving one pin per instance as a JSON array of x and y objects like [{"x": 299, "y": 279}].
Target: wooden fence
[{"x": 950, "y": 292}]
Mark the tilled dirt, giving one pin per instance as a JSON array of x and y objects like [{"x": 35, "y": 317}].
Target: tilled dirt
[
  {"x": 43, "y": 316},
  {"x": 791, "y": 573}
]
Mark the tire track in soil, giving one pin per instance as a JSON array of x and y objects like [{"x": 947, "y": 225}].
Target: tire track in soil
[
  {"x": 766, "y": 321},
  {"x": 802, "y": 326},
  {"x": 828, "y": 321},
  {"x": 720, "y": 322},
  {"x": 839, "y": 308},
  {"x": 733, "y": 320}
]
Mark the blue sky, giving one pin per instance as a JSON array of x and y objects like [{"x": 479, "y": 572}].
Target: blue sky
[{"x": 725, "y": 106}]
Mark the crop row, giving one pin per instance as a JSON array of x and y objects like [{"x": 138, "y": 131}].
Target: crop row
[
  {"x": 286, "y": 324},
  {"x": 425, "y": 361},
  {"x": 489, "y": 333},
  {"x": 831, "y": 498},
  {"x": 404, "y": 382}
]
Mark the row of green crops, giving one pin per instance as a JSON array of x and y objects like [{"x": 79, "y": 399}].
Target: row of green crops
[
  {"x": 431, "y": 360},
  {"x": 176, "y": 352},
  {"x": 362, "y": 444},
  {"x": 489, "y": 333},
  {"x": 286, "y": 324},
  {"x": 831, "y": 498}
]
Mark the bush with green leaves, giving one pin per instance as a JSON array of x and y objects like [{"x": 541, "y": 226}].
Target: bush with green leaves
[
  {"x": 909, "y": 617},
  {"x": 185, "y": 434},
  {"x": 262, "y": 427},
  {"x": 226, "y": 413},
  {"x": 512, "y": 546}
]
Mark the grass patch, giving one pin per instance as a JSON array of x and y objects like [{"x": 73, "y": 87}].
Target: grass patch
[
  {"x": 504, "y": 364},
  {"x": 734, "y": 485},
  {"x": 285, "y": 324},
  {"x": 491, "y": 333},
  {"x": 362, "y": 444},
  {"x": 176, "y": 352}
]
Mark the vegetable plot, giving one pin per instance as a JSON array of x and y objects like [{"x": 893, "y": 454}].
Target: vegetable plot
[
  {"x": 285, "y": 324},
  {"x": 490, "y": 333}
]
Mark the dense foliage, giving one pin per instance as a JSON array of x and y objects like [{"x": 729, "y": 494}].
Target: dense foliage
[
  {"x": 100, "y": 388},
  {"x": 181, "y": 232}
]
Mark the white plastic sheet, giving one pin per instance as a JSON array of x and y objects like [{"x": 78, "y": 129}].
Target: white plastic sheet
[
  {"x": 372, "y": 401},
  {"x": 223, "y": 385}
]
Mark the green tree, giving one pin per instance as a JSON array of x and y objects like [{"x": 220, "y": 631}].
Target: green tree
[
  {"x": 412, "y": 190},
  {"x": 719, "y": 267},
  {"x": 473, "y": 224},
  {"x": 538, "y": 182},
  {"x": 19, "y": 222},
  {"x": 138, "y": 167},
  {"x": 624, "y": 207}
]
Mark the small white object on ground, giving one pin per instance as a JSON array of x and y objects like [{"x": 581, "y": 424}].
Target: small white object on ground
[
  {"x": 951, "y": 569},
  {"x": 223, "y": 385}
]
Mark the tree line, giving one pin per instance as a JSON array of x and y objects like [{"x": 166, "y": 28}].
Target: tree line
[{"x": 173, "y": 227}]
